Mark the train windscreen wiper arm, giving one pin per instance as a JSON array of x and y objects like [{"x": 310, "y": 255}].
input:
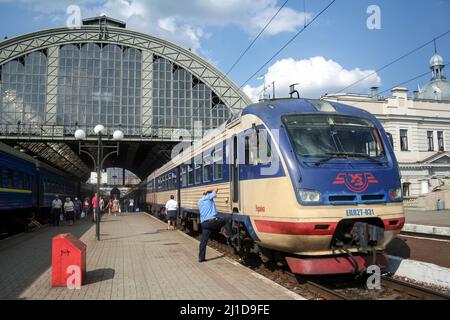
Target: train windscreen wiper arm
[{"x": 333, "y": 155}]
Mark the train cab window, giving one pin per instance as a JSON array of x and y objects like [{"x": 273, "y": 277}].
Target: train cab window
[
  {"x": 264, "y": 148},
  {"x": 21, "y": 180},
  {"x": 207, "y": 168},
  {"x": 218, "y": 164},
  {"x": 198, "y": 173},
  {"x": 10, "y": 178}
]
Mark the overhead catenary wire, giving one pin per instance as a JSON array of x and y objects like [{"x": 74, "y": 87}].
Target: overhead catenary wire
[
  {"x": 409, "y": 80},
  {"x": 394, "y": 61},
  {"x": 256, "y": 38},
  {"x": 288, "y": 42}
]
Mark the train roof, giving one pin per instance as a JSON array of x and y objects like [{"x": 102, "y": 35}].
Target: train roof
[
  {"x": 10, "y": 150},
  {"x": 270, "y": 111}
]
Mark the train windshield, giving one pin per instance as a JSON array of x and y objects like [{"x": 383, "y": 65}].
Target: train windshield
[{"x": 333, "y": 136}]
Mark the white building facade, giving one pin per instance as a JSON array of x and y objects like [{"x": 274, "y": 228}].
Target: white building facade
[{"x": 420, "y": 129}]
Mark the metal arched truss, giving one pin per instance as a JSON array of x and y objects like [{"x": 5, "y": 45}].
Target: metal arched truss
[{"x": 224, "y": 88}]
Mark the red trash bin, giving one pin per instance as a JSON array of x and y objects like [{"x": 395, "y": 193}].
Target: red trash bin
[{"x": 68, "y": 260}]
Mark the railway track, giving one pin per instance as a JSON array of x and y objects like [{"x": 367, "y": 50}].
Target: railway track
[
  {"x": 413, "y": 291},
  {"x": 334, "y": 288},
  {"x": 425, "y": 236}
]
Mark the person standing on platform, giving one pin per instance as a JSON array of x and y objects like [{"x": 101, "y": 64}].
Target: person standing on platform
[
  {"x": 77, "y": 208},
  {"x": 69, "y": 211},
  {"x": 171, "y": 212},
  {"x": 94, "y": 207},
  {"x": 102, "y": 204},
  {"x": 125, "y": 204},
  {"x": 131, "y": 205},
  {"x": 86, "y": 207},
  {"x": 109, "y": 206},
  {"x": 210, "y": 221},
  {"x": 56, "y": 210},
  {"x": 115, "y": 206}
]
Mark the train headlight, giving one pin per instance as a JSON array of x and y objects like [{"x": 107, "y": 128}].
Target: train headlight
[
  {"x": 309, "y": 195},
  {"x": 395, "y": 194}
]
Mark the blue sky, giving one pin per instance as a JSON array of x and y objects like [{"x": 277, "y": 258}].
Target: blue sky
[{"x": 335, "y": 50}]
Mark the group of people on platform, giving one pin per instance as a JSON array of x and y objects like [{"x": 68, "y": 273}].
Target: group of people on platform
[{"x": 77, "y": 209}]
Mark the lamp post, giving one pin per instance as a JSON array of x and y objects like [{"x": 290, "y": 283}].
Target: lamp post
[{"x": 100, "y": 131}]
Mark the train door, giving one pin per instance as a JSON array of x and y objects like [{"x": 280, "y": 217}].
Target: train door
[
  {"x": 178, "y": 184},
  {"x": 234, "y": 164}
]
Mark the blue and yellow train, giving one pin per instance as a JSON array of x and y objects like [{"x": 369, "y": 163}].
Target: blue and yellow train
[
  {"x": 28, "y": 185},
  {"x": 310, "y": 183}
]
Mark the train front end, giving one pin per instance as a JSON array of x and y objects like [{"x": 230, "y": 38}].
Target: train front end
[{"x": 348, "y": 200}]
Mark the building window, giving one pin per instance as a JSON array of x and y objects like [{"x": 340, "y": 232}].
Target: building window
[
  {"x": 430, "y": 141},
  {"x": 403, "y": 140},
  {"x": 405, "y": 189},
  {"x": 440, "y": 136}
]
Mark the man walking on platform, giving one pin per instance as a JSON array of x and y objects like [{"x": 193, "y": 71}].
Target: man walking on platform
[
  {"x": 210, "y": 221},
  {"x": 78, "y": 206},
  {"x": 94, "y": 207},
  {"x": 56, "y": 210}
]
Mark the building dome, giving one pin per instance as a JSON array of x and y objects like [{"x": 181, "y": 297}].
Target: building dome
[
  {"x": 436, "y": 60},
  {"x": 436, "y": 90},
  {"x": 439, "y": 87}
]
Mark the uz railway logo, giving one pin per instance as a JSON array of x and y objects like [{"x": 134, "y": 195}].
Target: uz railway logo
[{"x": 355, "y": 182}]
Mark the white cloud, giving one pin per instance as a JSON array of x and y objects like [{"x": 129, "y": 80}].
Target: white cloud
[
  {"x": 316, "y": 76},
  {"x": 167, "y": 24},
  {"x": 287, "y": 20},
  {"x": 183, "y": 22}
]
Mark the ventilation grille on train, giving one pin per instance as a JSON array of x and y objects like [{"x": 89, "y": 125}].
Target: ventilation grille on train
[
  {"x": 372, "y": 197},
  {"x": 343, "y": 198}
]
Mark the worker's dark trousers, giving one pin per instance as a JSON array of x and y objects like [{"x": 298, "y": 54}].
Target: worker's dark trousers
[
  {"x": 55, "y": 215},
  {"x": 209, "y": 227}
]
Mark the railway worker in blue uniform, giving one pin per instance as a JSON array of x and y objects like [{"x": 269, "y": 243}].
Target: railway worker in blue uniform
[
  {"x": 56, "y": 210},
  {"x": 211, "y": 221}
]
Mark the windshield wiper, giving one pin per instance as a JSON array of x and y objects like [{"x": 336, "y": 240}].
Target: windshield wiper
[
  {"x": 330, "y": 156},
  {"x": 333, "y": 155}
]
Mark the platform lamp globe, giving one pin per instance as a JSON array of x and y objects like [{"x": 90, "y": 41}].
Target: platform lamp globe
[{"x": 100, "y": 131}]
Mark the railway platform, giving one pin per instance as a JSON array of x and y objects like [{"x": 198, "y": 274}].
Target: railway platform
[
  {"x": 427, "y": 222},
  {"x": 136, "y": 258}
]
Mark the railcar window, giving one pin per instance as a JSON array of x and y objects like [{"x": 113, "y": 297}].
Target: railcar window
[
  {"x": 10, "y": 178},
  {"x": 247, "y": 150},
  {"x": 198, "y": 173},
  {"x": 183, "y": 177},
  {"x": 21, "y": 180},
  {"x": 190, "y": 175},
  {"x": 332, "y": 136},
  {"x": 218, "y": 164},
  {"x": 207, "y": 168}
]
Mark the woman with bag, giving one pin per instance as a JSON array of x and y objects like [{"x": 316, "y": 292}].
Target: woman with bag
[{"x": 69, "y": 210}]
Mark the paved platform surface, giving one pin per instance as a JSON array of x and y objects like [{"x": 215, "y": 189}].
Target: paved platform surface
[
  {"x": 136, "y": 259},
  {"x": 431, "y": 218}
]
